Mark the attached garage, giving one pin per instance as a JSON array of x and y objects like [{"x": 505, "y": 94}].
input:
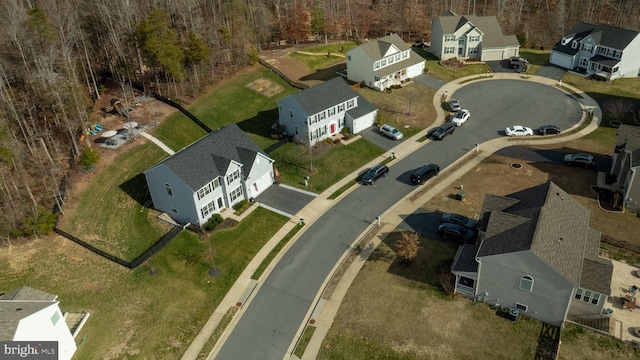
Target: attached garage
[
  {"x": 358, "y": 124},
  {"x": 560, "y": 59},
  {"x": 260, "y": 185},
  {"x": 493, "y": 55}
]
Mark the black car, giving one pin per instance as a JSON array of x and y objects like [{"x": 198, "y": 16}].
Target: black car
[
  {"x": 456, "y": 232},
  {"x": 444, "y": 130},
  {"x": 374, "y": 173},
  {"x": 458, "y": 219},
  {"x": 424, "y": 173},
  {"x": 580, "y": 159},
  {"x": 548, "y": 130}
]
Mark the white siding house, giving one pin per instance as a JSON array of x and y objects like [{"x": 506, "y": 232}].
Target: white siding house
[
  {"x": 318, "y": 112},
  {"x": 384, "y": 62},
  {"x": 601, "y": 50},
  {"x": 536, "y": 253},
  {"x": 210, "y": 175},
  {"x": 28, "y": 314},
  {"x": 471, "y": 37}
]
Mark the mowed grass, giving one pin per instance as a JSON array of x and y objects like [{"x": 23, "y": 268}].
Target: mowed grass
[
  {"x": 325, "y": 55},
  {"x": 136, "y": 315},
  {"x": 232, "y": 102},
  {"x": 111, "y": 213}
]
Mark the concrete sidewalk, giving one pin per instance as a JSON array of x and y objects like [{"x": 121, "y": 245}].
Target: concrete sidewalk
[{"x": 323, "y": 312}]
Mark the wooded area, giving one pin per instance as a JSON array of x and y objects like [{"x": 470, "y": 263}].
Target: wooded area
[{"x": 58, "y": 55}]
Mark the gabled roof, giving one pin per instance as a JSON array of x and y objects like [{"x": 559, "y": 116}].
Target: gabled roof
[
  {"x": 19, "y": 304},
  {"x": 378, "y": 48},
  {"x": 28, "y": 293},
  {"x": 493, "y": 36},
  {"x": 546, "y": 221},
  {"x": 210, "y": 156},
  {"x": 628, "y": 140},
  {"x": 466, "y": 260},
  {"x": 325, "y": 95},
  {"x": 609, "y": 36},
  {"x": 596, "y": 271},
  {"x": 413, "y": 59}
]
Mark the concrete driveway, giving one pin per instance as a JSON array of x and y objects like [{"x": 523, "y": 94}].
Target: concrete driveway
[
  {"x": 285, "y": 200},
  {"x": 373, "y": 134}
]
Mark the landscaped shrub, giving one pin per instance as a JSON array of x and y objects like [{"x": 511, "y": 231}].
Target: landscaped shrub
[
  {"x": 241, "y": 206},
  {"x": 89, "y": 157},
  {"x": 213, "y": 222}
]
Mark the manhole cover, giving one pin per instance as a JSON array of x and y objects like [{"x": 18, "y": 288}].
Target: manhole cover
[{"x": 516, "y": 165}]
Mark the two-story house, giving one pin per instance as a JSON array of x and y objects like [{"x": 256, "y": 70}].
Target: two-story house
[
  {"x": 471, "y": 37},
  {"x": 383, "y": 62},
  {"x": 625, "y": 167},
  {"x": 210, "y": 175},
  {"x": 34, "y": 316},
  {"x": 601, "y": 50},
  {"x": 535, "y": 253},
  {"x": 323, "y": 110}
]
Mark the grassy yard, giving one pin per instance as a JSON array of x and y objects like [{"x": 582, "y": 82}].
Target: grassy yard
[
  {"x": 110, "y": 213},
  {"x": 135, "y": 314},
  {"x": 325, "y": 55}
]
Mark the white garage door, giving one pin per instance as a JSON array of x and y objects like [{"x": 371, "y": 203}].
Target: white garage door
[
  {"x": 260, "y": 185},
  {"x": 492, "y": 55},
  {"x": 363, "y": 122},
  {"x": 560, "y": 59}
]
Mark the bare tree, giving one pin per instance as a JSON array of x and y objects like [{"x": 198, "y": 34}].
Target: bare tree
[{"x": 407, "y": 247}]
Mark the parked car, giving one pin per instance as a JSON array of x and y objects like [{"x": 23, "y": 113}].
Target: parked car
[
  {"x": 424, "y": 173},
  {"x": 374, "y": 173},
  {"x": 456, "y": 232},
  {"x": 516, "y": 61},
  {"x": 548, "y": 130},
  {"x": 461, "y": 117},
  {"x": 391, "y": 132},
  {"x": 580, "y": 159},
  {"x": 444, "y": 130},
  {"x": 458, "y": 219},
  {"x": 453, "y": 105},
  {"x": 518, "y": 130}
]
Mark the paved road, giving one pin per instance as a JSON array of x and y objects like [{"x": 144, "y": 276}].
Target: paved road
[{"x": 271, "y": 319}]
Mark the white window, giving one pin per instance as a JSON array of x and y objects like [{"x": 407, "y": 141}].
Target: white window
[
  {"x": 376, "y": 65},
  {"x": 587, "y": 47},
  {"x": 461, "y": 41},
  {"x": 405, "y": 54},
  {"x": 474, "y": 38},
  {"x": 521, "y": 307},
  {"x": 332, "y": 111},
  {"x": 398, "y": 57},
  {"x": 595, "y": 298},
  {"x": 473, "y": 50},
  {"x": 587, "y": 296},
  {"x": 584, "y": 61},
  {"x": 383, "y": 62},
  {"x": 233, "y": 176},
  {"x": 216, "y": 183},
  {"x": 526, "y": 283},
  {"x": 449, "y": 38},
  {"x": 574, "y": 44},
  {"x": 168, "y": 188},
  {"x": 236, "y": 193},
  {"x": 449, "y": 50},
  {"x": 351, "y": 103},
  {"x": 391, "y": 60},
  {"x": 321, "y": 116},
  {"x": 341, "y": 107},
  {"x": 207, "y": 209},
  {"x": 204, "y": 191}
]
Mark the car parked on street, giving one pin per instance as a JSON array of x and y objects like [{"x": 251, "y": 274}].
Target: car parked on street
[
  {"x": 370, "y": 177},
  {"x": 456, "y": 232},
  {"x": 458, "y": 219},
  {"x": 453, "y": 105},
  {"x": 461, "y": 117},
  {"x": 391, "y": 132},
  {"x": 548, "y": 130},
  {"x": 420, "y": 175},
  {"x": 580, "y": 159},
  {"x": 518, "y": 130},
  {"x": 444, "y": 130}
]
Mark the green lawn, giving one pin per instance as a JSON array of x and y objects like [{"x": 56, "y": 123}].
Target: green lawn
[
  {"x": 434, "y": 69},
  {"x": 325, "y": 55}
]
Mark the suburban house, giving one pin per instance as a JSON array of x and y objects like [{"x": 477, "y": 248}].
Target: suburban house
[
  {"x": 625, "y": 167},
  {"x": 210, "y": 175},
  {"x": 32, "y": 315},
  {"x": 383, "y": 62},
  {"x": 323, "y": 110},
  {"x": 600, "y": 50},
  {"x": 535, "y": 253},
  {"x": 471, "y": 37}
]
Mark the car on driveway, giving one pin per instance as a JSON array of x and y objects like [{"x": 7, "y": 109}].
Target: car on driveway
[
  {"x": 444, "y": 130},
  {"x": 459, "y": 220},
  {"x": 461, "y": 117},
  {"x": 456, "y": 232},
  {"x": 518, "y": 130},
  {"x": 391, "y": 132},
  {"x": 374, "y": 173},
  {"x": 420, "y": 175},
  {"x": 580, "y": 159},
  {"x": 548, "y": 130},
  {"x": 453, "y": 105}
]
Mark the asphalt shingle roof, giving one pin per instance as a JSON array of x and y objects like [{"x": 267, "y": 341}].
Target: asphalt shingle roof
[
  {"x": 609, "y": 36},
  {"x": 19, "y": 304},
  {"x": 325, "y": 95},
  {"x": 209, "y": 157},
  {"x": 376, "y": 49},
  {"x": 466, "y": 262},
  {"x": 493, "y": 36},
  {"x": 596, "y": 271},
  {"x": 413, "y": 59}
]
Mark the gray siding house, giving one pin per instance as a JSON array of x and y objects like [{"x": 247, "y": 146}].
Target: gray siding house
[
  {"x": 316, "y": 113},
  {"x": 601, "y": 50},
  {"x": 625, "y": 166},
  {"x": 209, "y": 176},
  {"x": 471, "y": 37},
  {"x": 535, "y": 253}
]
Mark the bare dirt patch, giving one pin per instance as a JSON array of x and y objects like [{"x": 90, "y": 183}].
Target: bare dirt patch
[{"x": 265, "y": 87}]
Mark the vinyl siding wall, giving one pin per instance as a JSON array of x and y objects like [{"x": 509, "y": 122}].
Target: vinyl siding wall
[{"x": 182, "y": 198}]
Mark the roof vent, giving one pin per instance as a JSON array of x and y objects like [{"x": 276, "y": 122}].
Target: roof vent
[
  {"x": 560, "y": 240},
  {"x": 18, "y": 309}
]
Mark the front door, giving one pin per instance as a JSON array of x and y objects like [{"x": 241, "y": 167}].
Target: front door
[
  {"x": 332, "y": 128},
  {"x": 220, "y": 203}
]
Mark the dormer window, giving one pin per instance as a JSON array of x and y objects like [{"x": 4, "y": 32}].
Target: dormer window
[{"x": 574, "y": 44}]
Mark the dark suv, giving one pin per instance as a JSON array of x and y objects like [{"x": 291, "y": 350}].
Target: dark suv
[
  {"x": 444, "y": 130},
  {"x": 374, "y": 173},
  {"x": 424, "y": 173}
]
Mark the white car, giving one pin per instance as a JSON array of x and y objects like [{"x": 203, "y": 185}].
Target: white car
[
  {"x": 391, "y": 132},
  {"x": 518, "y": 130},
  {"x": 461, "y": 117}
]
